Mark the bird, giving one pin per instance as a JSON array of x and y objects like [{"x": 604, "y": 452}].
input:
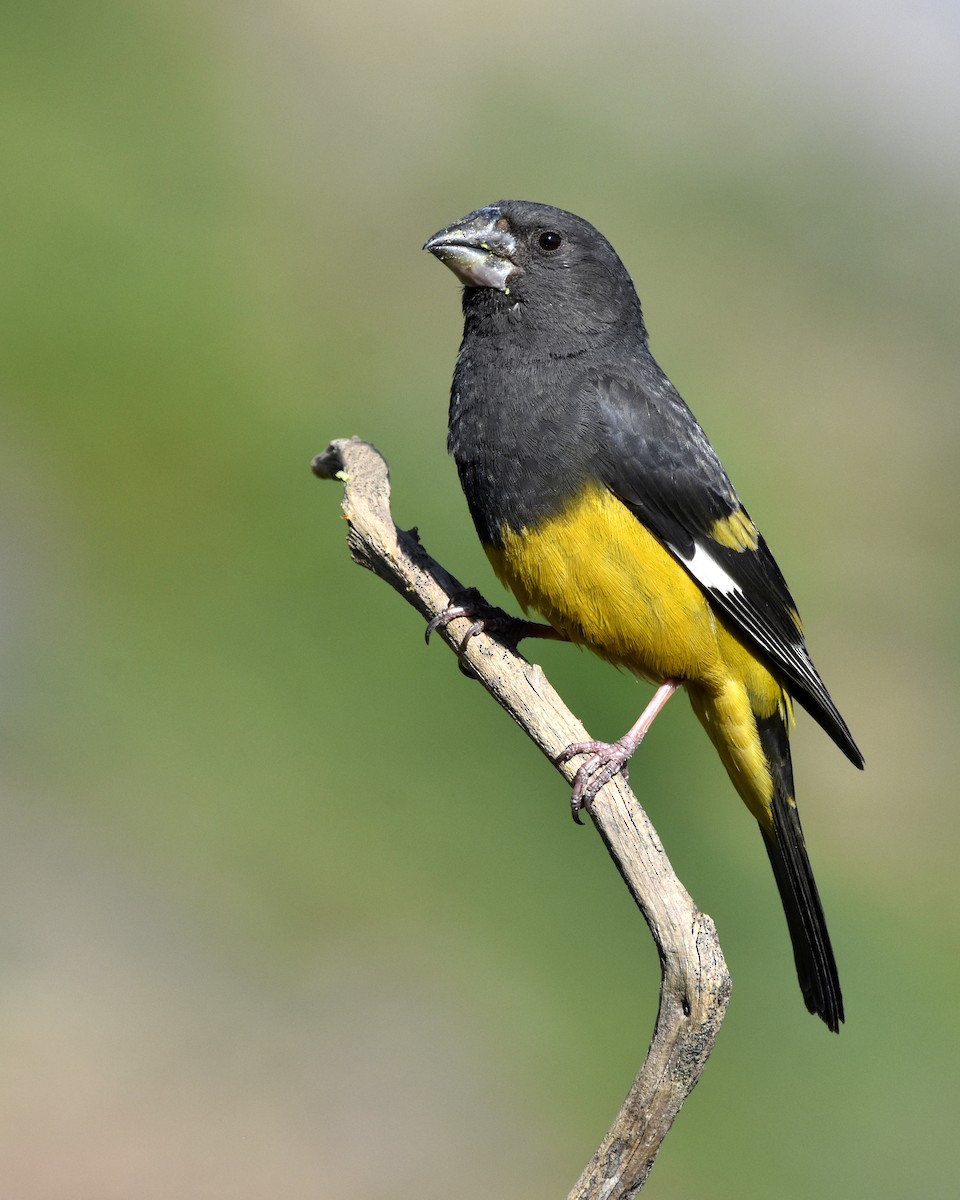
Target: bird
[{"x": 604, "y": 509}]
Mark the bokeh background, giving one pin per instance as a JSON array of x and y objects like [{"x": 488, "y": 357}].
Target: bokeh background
[{"x": 288, "y": 907}]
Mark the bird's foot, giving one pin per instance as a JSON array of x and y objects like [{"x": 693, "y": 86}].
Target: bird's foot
[
  {"x": 486, "y": 618},
  {"x": 606, "y": 759}
]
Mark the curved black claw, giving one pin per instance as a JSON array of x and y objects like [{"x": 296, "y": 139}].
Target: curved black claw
[{"x": 606, "y": 759}]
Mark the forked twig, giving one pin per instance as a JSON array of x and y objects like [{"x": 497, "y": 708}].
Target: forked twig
[{"x": 695, "y": 985}]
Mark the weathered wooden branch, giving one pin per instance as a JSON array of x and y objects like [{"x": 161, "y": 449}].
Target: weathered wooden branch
[{"x": 695, "y": 985}]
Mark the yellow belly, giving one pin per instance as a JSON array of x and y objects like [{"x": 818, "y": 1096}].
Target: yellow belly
[
  {"x": 603, "y": 580},
  {"x": 600, "y": 578}
]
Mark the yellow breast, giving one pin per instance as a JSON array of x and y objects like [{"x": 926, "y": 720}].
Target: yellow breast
[
  {"x": 598, "y": 575},
  {"x": 602, "y": 579}
]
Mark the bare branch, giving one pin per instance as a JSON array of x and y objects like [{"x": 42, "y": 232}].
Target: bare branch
[{"x": 695, "y": 986}]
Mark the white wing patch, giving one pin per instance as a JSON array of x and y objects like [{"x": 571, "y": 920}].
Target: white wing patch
[
  {"x": 791, "y": 655},
  {"x": 708, "y": 572},
  {"x": 785, "y": 650}
]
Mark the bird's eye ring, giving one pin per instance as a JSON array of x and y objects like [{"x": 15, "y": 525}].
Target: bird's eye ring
[{"x": 549, "y": 241}]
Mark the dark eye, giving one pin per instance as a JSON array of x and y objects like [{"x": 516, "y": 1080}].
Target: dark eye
[{"x": 549, "y": 241}]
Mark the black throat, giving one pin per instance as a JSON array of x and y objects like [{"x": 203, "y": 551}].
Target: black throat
[{"x": 522, "y": 430}]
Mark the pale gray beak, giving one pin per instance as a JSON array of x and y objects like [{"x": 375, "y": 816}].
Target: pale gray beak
[{"x": 478, "y": 249}]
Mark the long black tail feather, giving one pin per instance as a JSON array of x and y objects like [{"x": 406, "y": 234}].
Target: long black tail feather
[{"x": 816, "y": 967}]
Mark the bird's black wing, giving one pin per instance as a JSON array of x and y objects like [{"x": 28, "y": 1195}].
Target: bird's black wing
[{"x": 657, "y": 460}]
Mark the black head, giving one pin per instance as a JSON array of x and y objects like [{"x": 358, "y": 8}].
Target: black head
[{"x": 541, "y": 267}]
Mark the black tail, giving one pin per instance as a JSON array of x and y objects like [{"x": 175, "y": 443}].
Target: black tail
[{"x": 816, "y": 968}]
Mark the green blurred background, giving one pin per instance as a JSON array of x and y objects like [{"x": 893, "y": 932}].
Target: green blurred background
[{"x": 288, "y": 907}]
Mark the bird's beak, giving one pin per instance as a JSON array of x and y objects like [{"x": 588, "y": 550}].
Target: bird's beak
[{"x": 479, "y": 249}]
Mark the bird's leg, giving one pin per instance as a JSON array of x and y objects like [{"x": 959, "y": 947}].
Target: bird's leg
[
  {"x": 488, "y": 619},
  {"x": 610, "y": 758}
]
